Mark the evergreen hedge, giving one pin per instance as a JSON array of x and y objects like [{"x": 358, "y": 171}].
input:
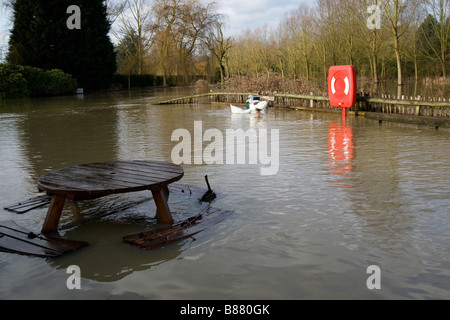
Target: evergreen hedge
[
  {"x": 41, "y": 38},
  {"x": 23, "y": 81}
]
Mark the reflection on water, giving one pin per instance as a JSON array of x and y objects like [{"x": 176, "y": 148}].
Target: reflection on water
[
  {"x": 346, "y": 196},
  {"x": 341, "y": 150},
  {"x": 104, "y": 222},
  {"x": 97, "y": 261}
]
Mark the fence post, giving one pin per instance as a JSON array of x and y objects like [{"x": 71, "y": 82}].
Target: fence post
[{"x": 418, "y": 107}]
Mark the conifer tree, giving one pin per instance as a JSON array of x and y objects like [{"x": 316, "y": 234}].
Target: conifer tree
[{"x": 41, "y": 38}]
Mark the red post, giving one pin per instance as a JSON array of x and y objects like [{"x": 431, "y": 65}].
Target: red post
[{"x": 342, "y": 87}]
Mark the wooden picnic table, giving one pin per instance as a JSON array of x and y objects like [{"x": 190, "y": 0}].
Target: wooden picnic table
[{"x": 96, "y": 180}]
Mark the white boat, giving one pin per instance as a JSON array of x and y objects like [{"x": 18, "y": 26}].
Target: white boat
[
  {"x": 254, "y": 106},
  {"x": 260, "y": 107},
  {"x": 237, "y": 110}
]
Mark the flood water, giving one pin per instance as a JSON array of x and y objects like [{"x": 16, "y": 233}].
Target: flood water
[{"x": 345, "y": 197}]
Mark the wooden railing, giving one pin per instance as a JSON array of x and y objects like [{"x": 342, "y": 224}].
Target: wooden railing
[
  {"x": 418, "y": 107},
  {"x": 184, "y": 100},
  {"x": 218, "y": 97},
  {"x": 368, "y": 104}
]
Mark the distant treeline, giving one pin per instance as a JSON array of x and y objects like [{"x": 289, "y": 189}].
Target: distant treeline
[
  {"x": 407, "y": 39},
  {"x": 22, "y": 82},
  {"x": 121, "y": 81},
  {"x": 383, "y": 39}
]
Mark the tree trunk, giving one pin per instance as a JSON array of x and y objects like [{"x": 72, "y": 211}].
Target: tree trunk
[
  {"x": 222, "y": 75},
  {"x": 375, "y": 68},
  {"x": 374, "y": 56},
  {"x": 444, "y": 69},
  {"x": 399, "y": 60}
]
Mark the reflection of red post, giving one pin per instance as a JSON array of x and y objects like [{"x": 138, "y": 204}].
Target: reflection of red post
[{"x": 341, "y": 152}]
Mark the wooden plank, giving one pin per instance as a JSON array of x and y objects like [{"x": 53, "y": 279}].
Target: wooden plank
[
  {"x": 47, "y": 183},
  {"x": 139, "y": 167},
  {"x": 95, "y": 186},
  {"x": 73, "y": 194},
  {"x": 101, "y": 177},
  {"x": 90, "y": 179},
  {"x": 16, "y": 239},
  {"x": 125, "y": 175},
  {"x": 64, "y": 185},
  {"x": 81, "y": 177},
  {"x": 29, "y": 204},
  {"x": 182, "y": 99},
  {"x": 186, "y": 229},
  {"x": 134, "y": 176}
]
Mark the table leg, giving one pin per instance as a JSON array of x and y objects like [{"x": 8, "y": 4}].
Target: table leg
[
  {"x": 54, "y": 214},
  {"x": 163, "y": 213},
  {"x": 166, "y": 192}
]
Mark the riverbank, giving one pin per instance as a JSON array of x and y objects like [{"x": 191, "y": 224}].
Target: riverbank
[
  {"x": 427, "y": 88},
  {"x": 420, "y": 112}
]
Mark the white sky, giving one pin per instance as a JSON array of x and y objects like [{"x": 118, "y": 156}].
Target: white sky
[
  {"x": 249, "y": 14},
  {"x": 241, "y": 15}
]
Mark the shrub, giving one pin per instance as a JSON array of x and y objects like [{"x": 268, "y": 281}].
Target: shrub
[
  {"x": 201, "y": 86},
  {"x": 23, "y": 81},
  {"x": 269, "y": 83},
  {"x": 12, "y": 84},
  {"x": 57, "y": 83}
]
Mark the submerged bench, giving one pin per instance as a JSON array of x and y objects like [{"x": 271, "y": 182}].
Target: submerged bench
[{"x": 96, "y": 180}]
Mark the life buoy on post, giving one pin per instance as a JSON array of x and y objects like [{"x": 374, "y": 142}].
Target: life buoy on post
[{"x": 342, "y": 87}]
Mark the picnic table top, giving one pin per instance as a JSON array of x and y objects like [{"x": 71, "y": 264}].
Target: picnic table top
[{"x": 101, "y": 179}]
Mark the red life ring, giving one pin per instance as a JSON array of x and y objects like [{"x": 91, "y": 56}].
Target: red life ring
[{"x": 342, "y": 86}]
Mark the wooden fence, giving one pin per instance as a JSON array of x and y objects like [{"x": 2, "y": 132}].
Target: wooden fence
[
  {"x": 184, "y": 100},
  {"x": 418, "y": 107},
  {"x": 217, "y": 97}
]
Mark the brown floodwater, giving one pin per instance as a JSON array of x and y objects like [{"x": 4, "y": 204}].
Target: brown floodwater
[{"x": 346, "y": 196}]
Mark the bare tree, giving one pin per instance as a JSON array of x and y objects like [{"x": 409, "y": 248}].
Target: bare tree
[
  {"x": 436, "y": 45},
  {"x": 181, "y": 26},
  {"x": 301, "y": 30},
  {"x": 195, "y": 23},
  {"x": 165, "y": 15},
  {"x": 324, "y": 45},
  {"x": 399, "y": 14},
  {"x": 219, "y": 46},
  {"x": 136, "y": 29},
  {"x": 115, "y": 8}
]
